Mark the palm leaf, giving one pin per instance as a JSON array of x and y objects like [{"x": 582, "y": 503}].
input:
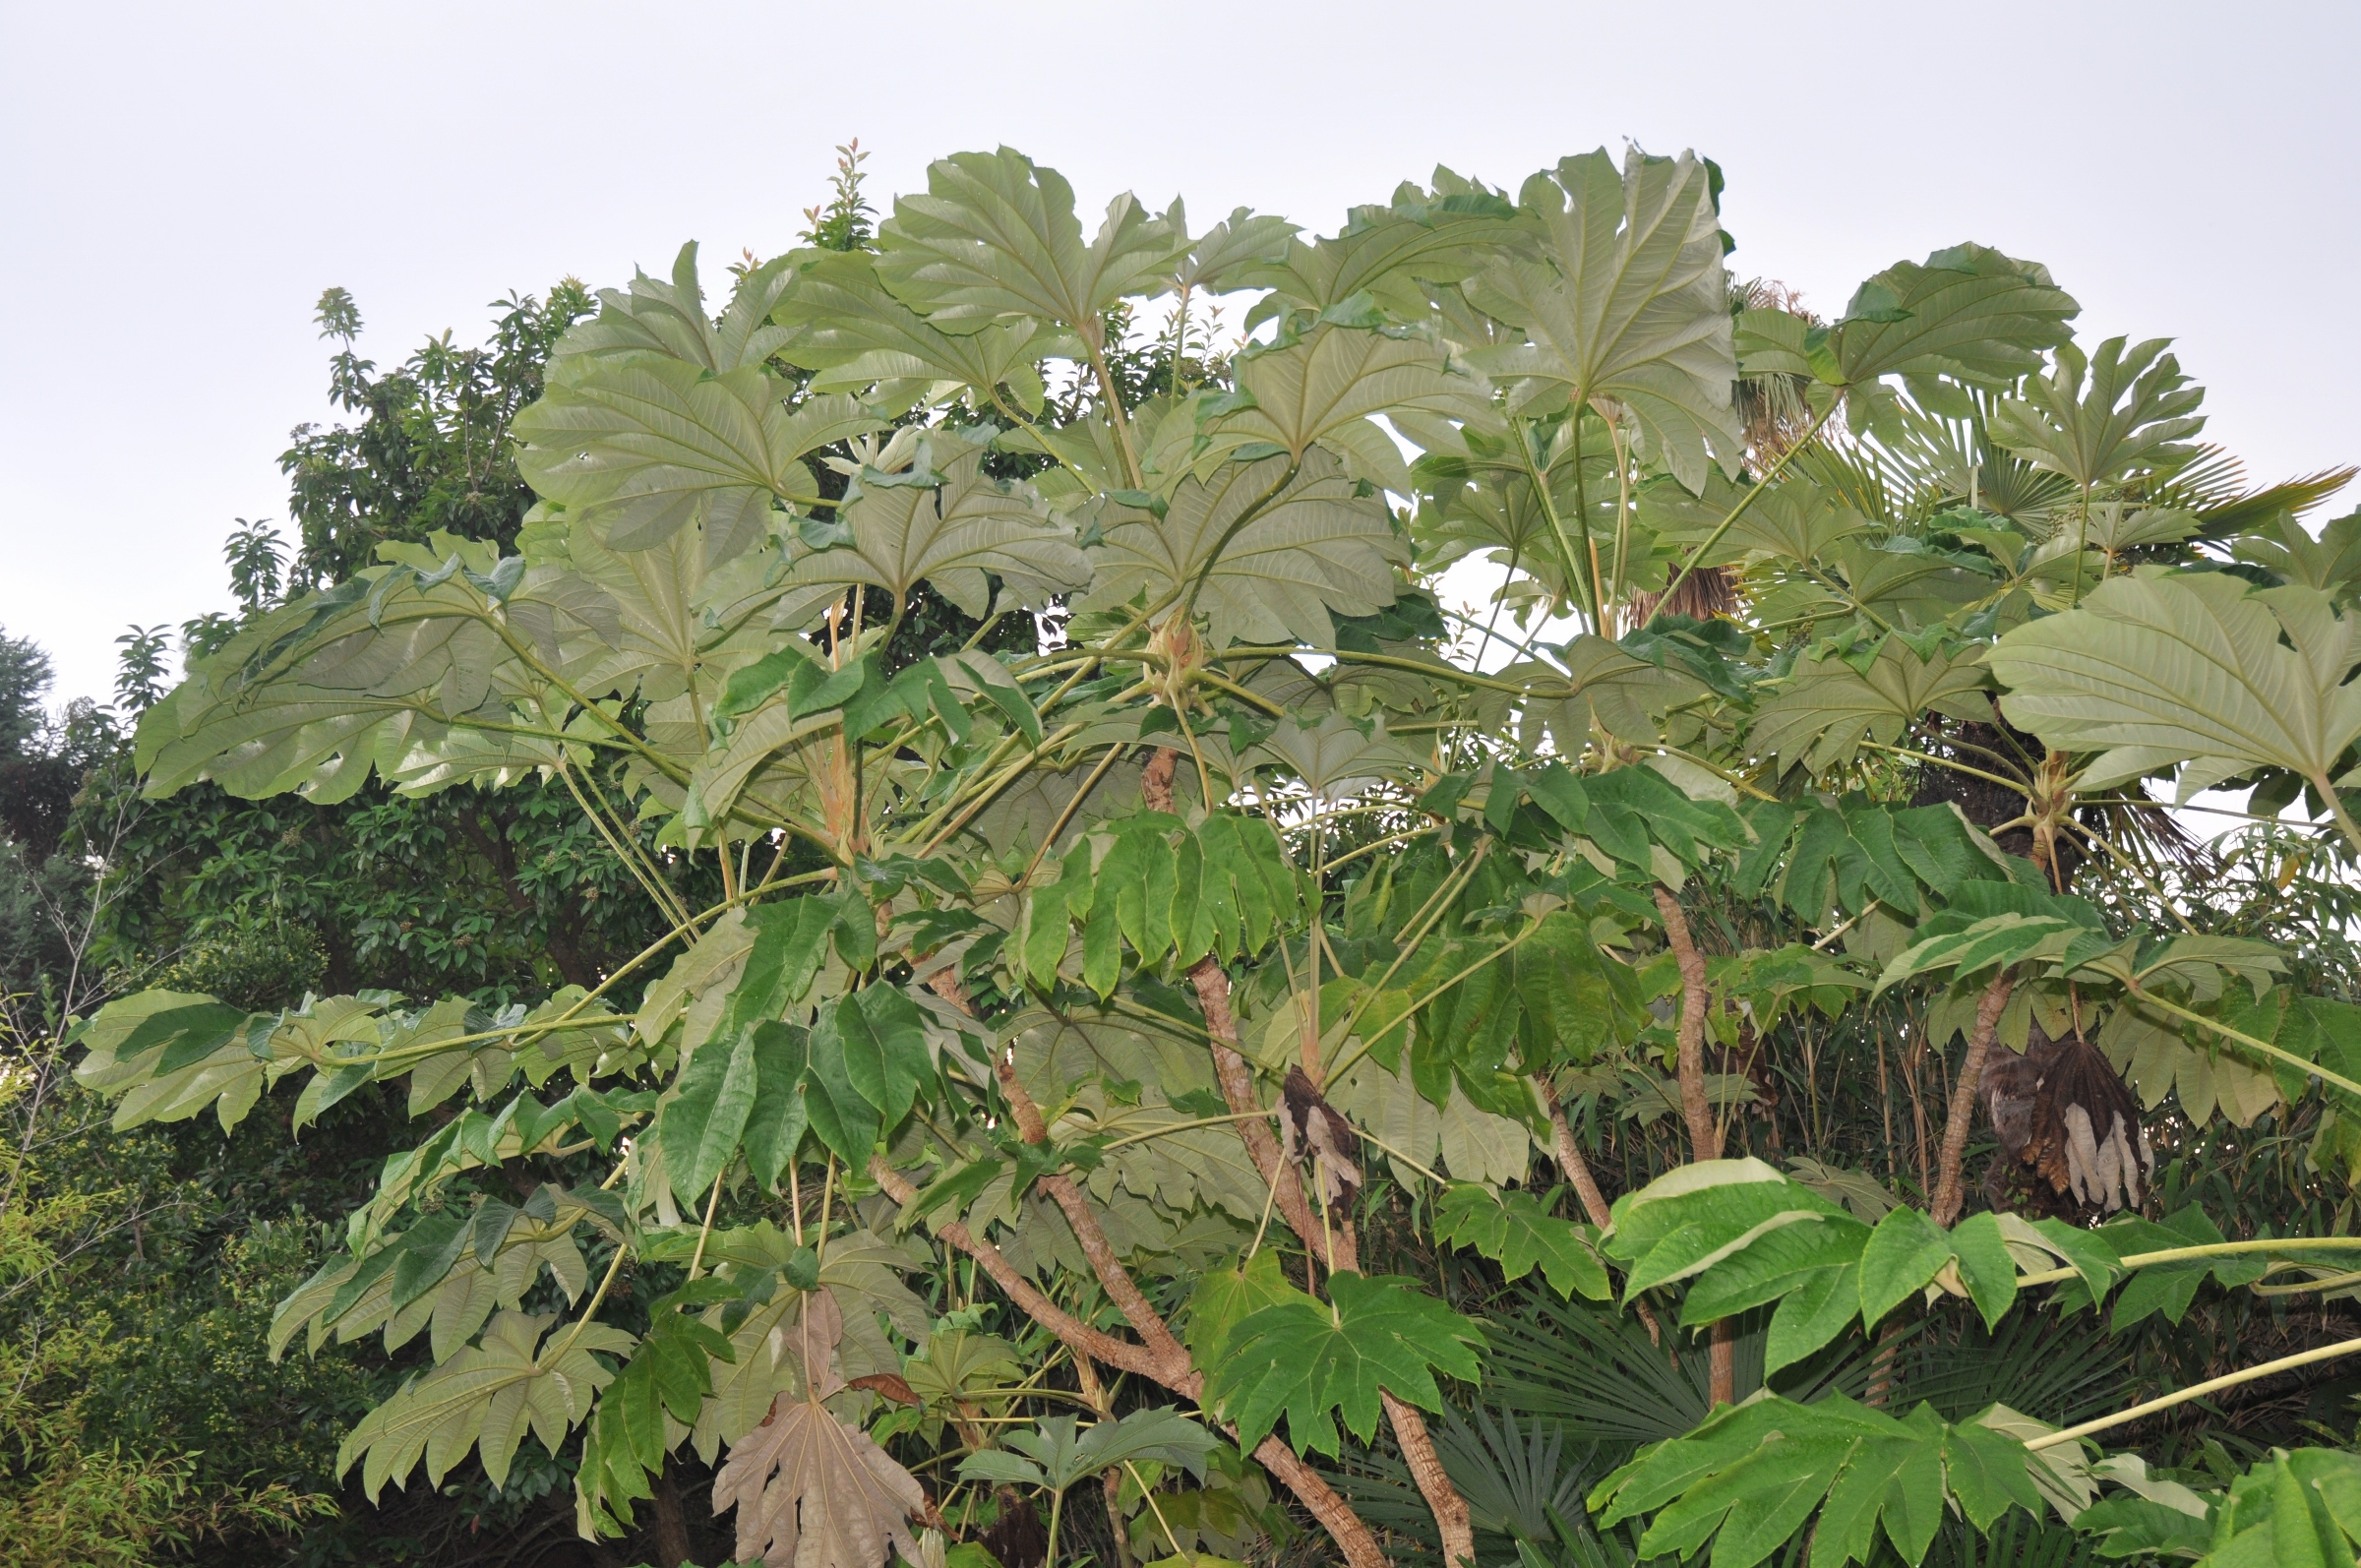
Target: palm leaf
[{"x": 2055, "y": 1370}]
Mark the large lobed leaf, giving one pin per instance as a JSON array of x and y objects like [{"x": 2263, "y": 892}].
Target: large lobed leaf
[
  {"x": 2201, "y": 671},
  {"x": 1326, "y": 384},
  {"x": 1625, "y": 300},
  {"x": 1821, "y": 714},
  {"x": 1271, "y": 548},
  {"x": 945, "y": 521},
  {"x": 487, "y": 1394},
  {"x": 1053, "y": 1456},
  {"x": 1312, "y": 1361},
  {"x": 860, "y": 337},
  {"x": 1815, "y": 858},
  {"x": 996, "y": 234},
  {"x": 169, "y": 1055},
  {"x": 1746, "y": 1235},
  {"x": 1752, "y": 1476},
  {"x": 1967, "y": 312},
  {"x": 810, "y": 1488},
  {"x": 1146, "y": 883},
  {"x": 1515, "y": 1231},
  {"x": 646, "y": 446},
  {"x": 2128, "y": 417}
]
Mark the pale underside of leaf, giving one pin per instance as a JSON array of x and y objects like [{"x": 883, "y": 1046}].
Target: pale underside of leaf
[
  {"x": 2151, "y": 671},
  {"x": 1314, "y": 549},
  {"x": 1820, "y": 718}
]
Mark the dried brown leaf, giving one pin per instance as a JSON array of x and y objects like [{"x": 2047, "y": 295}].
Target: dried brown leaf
[{"x": 813, "y": 1491}]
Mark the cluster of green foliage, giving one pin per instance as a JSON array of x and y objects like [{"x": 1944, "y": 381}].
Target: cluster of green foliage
[
  {"x": 139, "y": 1256},
  {"x": 1193, "y": 1050}
]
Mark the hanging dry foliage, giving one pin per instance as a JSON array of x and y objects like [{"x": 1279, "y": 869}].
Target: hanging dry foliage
[{"x": 2063, "y": 1114}]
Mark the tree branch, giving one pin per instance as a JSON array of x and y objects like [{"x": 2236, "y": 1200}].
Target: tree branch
[
  {"x": 1948, "y": 1194},
  {"x": 1144, "y": 1319},
  {"x": 1435, "y": 1482},
  {"x": 1586, "y": 1185},
  {"x": 1343, "y": 1525},
  {"x": 1334, "y": 1246},
  {"x": 1569, "y": 1154},
  {"x": 1078, "y": 1336},
  {"x": 1697, "y": 1109},
  {"x": 1230, "y": 1068}
]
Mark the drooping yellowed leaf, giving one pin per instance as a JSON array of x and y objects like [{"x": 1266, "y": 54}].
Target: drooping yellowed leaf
[{"x": 490, "y": 1393}]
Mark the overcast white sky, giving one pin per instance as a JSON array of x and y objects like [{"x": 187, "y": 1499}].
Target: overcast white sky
[{"x": 178, "y": 183}]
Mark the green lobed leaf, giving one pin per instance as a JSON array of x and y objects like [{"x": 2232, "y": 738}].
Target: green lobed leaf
[
  {"x": 994, "y": 234},
  {"x": 2202, "y": 670},
  {"x": 490, "y": 1393},
  {"x": 1314, "y": 1362},
  {"x": 1753, "y": 1476},
  {"x": 1624, "y": 299},
  {"x": 1516, "y": 1231}
]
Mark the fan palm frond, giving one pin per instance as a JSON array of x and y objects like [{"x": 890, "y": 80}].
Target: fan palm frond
[
  {"x": 1512, "y": 1473},
  {"x": 2015, "y": 1541},
  {"x": 1596, "y": 1371},
  {"x": 2049, "y": 1368},
  {"x": 2244, "y": 513}
]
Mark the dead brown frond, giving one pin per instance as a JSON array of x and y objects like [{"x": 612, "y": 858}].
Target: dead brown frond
[
  {"x": 1709, "y": 591},
  {"x": 2065, "y": 1118}
]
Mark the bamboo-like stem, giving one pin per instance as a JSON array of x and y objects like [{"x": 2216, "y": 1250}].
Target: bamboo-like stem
[
  {"x": 618, "y": 843},
  {"x": 2344, "y": 820},
  {"x": 582, "y": 1322},
  {"x": 2212, "y": 1385},
  {"x": 1336, "y": 1515},
  {"x": 1540, "y": 487},
  {"x": 704, "y": 1234},
  {"x": 1577, "y": 1169},
  {"x": 1350, "y": 1534},
  {"x": 1068, "y": 815},
  {"x": 2213, "y": 1249},
  {"x": 1428, "y": 913}
]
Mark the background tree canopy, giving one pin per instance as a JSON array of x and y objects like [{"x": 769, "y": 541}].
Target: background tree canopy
[{"x": 883, "y": 905}]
